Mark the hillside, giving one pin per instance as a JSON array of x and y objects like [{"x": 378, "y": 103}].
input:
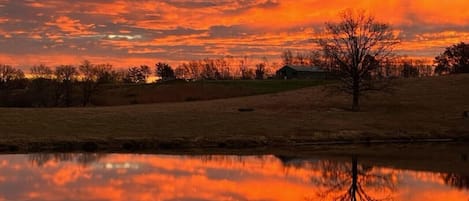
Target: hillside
[{"x": 418, "y": 108}]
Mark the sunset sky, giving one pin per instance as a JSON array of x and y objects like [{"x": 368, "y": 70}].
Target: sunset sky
[{"x": 137, "y": 32}]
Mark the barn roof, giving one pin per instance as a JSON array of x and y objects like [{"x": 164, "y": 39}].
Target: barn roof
[{"x": 304, "y": 68}]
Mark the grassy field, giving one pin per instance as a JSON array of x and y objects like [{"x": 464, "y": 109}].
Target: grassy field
[
  {"x": 419, "y": 108},
  {"x": 180, "y": 91}
]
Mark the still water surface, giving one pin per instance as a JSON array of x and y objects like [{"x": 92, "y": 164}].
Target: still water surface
[{"x": 124, "y": 177}]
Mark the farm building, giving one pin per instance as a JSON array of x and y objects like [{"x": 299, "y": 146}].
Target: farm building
[{"x": 301, "y": 72}]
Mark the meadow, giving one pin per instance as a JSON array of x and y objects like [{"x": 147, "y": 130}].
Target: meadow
[{"x": 417, "y": 109}]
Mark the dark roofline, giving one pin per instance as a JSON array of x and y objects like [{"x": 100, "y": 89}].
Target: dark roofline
[{"x": 304, "y": 68}]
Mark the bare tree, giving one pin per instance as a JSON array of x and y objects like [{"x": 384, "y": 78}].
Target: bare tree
[
  {"x": 245, "y": 72},
  {"x": 223, "y": 66},
  {"x": 351, "y": 181},
  {"x": 209, "y": 70},
  {"x": 106, "y": 74},
  {"x": 65, "y": 75},
  {"x": 41, "y": 86},
  {"x": 10, "y": 78},
  {"x": 8, "y": 74},
  {"x": 260, "y": 71},
  {"x": 287, "y": 57},
  {"x": 165, "y": 71},
  {"x": 350, "y": 43},
  {"x": 137, "y": 75},
  {"x": 41, "y": 71}
]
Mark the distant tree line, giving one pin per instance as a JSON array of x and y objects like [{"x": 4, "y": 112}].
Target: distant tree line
[
  {"x": 70, "y": 85},
  {"x": 225, "y": 68},
  {"x": 392, "y": 67},
  {"x": 63, "y": 86}
]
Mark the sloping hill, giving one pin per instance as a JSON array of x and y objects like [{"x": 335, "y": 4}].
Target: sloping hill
[{"x": 418, "y": 108}]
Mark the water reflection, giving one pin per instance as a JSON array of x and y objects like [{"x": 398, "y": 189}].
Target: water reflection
[
  {"x": 456, "y": 180},
  {"x": 169, "y": 178},
  {"x": 350, "y": 181},
  {"x": 39, "y": 159}
]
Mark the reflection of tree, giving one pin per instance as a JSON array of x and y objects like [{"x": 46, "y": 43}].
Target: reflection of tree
[
  {"x": 455, "y": 180},
  {"x": 84, "y": 159},
  {"x": 345, "y": 181}
]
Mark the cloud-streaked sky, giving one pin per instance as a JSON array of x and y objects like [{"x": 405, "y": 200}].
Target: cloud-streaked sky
[{"x": 124, "y": 32}]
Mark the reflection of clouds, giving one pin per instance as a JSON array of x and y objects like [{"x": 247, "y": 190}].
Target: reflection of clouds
[
  {"x": 162, "y": 177},
  {"x": 111, "y": 166}
]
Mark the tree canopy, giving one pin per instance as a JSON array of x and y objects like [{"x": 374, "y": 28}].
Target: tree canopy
[
  {"x": 455, "y": 59},
  {"x": 356, "y": 44}
]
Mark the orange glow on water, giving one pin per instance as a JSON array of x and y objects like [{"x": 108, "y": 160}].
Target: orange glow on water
[{"x": 157, "y": 177}]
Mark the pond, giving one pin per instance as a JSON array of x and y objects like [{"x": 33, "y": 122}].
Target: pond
[{"x": 147, "y": 177}]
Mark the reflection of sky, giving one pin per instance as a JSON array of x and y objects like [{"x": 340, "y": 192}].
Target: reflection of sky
[
  {"x": 155, "y": 177},
  {"x": 141, "y": 31}
]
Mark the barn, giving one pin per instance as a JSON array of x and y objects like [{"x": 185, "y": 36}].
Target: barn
[{"x": 301, "y": 72}]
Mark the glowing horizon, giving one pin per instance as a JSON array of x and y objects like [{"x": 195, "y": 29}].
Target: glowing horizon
[{"x": 140, "y": 32}]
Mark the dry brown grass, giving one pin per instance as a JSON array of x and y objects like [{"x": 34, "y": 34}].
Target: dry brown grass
[{"x": 418, "y": 108}]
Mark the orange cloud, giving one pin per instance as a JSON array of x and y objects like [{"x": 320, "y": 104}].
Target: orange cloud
[
  {"x": 179, "y": 30},
  {"x": 71, "y": 26}
]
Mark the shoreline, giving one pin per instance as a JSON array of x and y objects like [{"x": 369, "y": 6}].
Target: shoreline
[{"x": 201, "y": 146}]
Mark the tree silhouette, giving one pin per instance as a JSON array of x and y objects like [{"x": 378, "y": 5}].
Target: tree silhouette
[
  {"x": 65, "y": 75},
  {"x": 351, "y": 182},
  {"x": 454, "y": 59},
  {"x": 89, "y": 76},
  {"x": 137, "y": 75},
  {"x": 8, "y": 74},
  {"x": 287, "y": 57},
  {"x": 350, "y": 43},
  {"x": 209, "y": 70},
  {"x": 165, "y": 71},
  {"x": 10, "y": 79},
  {"x": 260, "y": 71},
  {"x": 92, "y": 76},
  {"x": 41, "y": 86},
  {"x": 107, "y": 75},
  {"x": 41, "y": 71},
  {"x": 39, "y": 159},
  {"x": 409, "y": 70},
  {"x": 456, "y": 180}
]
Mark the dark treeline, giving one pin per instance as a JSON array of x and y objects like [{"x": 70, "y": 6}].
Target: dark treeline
[
  {"x": 63, "y": 86},
  {"x": 69, "y": 85},
  {"x": 390, "y": 67},
  {"x": 225, "y": 68}
]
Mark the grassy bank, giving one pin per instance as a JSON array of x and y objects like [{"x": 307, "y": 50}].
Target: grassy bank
[{"x": 420, "y": 108}]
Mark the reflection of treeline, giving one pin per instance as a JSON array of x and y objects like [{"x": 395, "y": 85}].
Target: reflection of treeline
[
  {"x": 39, "y": 159},
  {"x": 456, "y": 180},
  {"x": 68, "y": 85},
  {"x": 346, "y": 181}
]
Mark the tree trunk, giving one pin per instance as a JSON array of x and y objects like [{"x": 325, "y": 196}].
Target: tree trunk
[
  {"x": 356, "y": 94},
  {"x": 354, "y": 188}
]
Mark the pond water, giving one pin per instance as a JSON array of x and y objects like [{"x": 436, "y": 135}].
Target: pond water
[{"x": 100, "y": 177}]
